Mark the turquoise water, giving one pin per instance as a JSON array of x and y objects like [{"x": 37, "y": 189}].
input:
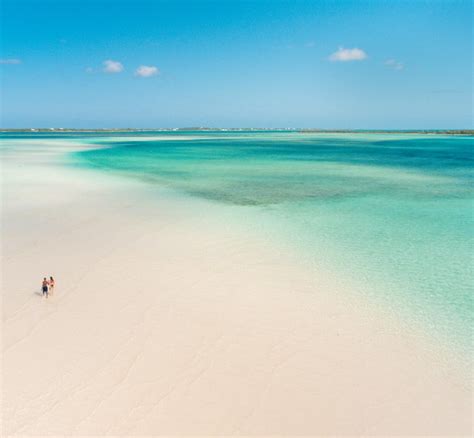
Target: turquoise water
[{"x": 393, "y": 213}]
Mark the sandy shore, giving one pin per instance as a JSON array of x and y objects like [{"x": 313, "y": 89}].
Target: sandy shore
[{"x": 169, "y": 319}]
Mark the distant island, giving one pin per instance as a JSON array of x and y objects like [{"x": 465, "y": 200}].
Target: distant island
[{"x": 210, "y": 129}]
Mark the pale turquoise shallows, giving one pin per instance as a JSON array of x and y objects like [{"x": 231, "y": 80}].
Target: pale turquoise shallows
[{"x": 391, "y": 213}]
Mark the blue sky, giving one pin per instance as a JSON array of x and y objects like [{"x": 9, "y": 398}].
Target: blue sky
[{"x": 327, "y": 64}]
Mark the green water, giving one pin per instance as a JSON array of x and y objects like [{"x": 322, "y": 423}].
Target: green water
[{"x": 391, "y": 213}]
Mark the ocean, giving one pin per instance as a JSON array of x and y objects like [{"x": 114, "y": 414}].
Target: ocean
[{"x": 392, "y": 214}]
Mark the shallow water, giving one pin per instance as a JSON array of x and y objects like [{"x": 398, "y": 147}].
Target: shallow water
[{"x": 391, "y": 213}]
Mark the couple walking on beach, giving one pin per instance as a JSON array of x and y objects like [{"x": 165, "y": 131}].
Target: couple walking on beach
[{"x": 48, "y": 286}]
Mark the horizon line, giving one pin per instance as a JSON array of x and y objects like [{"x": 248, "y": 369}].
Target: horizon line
[{"x": 218, "y": 128}]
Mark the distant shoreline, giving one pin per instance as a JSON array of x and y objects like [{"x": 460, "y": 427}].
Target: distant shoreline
[{"x": 205, "y": 129}]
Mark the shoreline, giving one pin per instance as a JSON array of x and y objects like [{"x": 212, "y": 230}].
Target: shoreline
[
  {"x": 455, "y": 132},
  {"x": 168, "y": 320}
]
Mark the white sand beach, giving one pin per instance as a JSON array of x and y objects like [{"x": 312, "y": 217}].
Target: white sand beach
[{"x": 169, "y": 319}]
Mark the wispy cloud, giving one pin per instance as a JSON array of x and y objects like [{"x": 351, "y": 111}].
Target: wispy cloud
[
  {"x": 310, "y": 44},
  {"x": 10, "y": 61},
  {"x": 112, "y": 66},
  {"x": 344, "y": 55},
  {"x": 394, "y": 64},
  {"x": 145, "y": 71}
]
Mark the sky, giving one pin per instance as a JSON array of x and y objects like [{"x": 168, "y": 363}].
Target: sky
[{"x": 323, "y": 64}]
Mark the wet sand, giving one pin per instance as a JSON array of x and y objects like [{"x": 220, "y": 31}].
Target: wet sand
[{"x": 168, "y": 319}]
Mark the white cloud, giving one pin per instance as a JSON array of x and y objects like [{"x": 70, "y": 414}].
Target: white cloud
[
  {"x": 344, "y": 55},
  {"x": 112, "y": 66},
  {"x": 145, "y": 71},
  {"x": 10, "y": 61},
  {"x": 393, "y": 63}
]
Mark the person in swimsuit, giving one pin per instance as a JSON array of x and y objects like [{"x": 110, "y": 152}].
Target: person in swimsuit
[
  {"x": 51, "y": 285},
  {"x": 45, "y": 287}
]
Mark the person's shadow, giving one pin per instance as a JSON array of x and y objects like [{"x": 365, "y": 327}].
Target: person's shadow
[{"x": 38, "y": 293}]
